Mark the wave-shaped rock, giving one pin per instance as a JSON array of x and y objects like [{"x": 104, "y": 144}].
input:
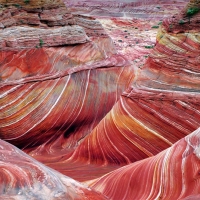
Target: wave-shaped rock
[
  {"x": 51, "y": 97},
  {"x": 55, "y": 100},
  {"x": 63, "y": 105},
  {"x": 22, "y": 177},
  {"x": 172, "y": 174},
  {"x": 144, "y": 122},
  {"x": 159, "y": 109}
]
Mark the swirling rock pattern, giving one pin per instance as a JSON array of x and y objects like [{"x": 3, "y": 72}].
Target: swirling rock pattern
[
  {"x": 159, "y": 109},
  {"x": 55, "y": 100},
  {"x": 22, "y": 177},
  {"x": 142, "y": 120},
  {"x": 172, "y": 174},
  {"x": 163, "y": 105},
  {"x": 85, "y": 111},
  {"x": 39, "y": 85},
  {"x": 51, "y": 98}
]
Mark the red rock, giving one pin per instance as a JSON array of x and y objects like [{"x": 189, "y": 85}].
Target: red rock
[
  {"x": 52, "y": 85},
  {"x": 172, "y": 174},
  {"x": 31, "y": 37},
  {"x": 22, "y": 177},
  {"x": 51, "y": 98},
  {"x": 173, "y": 63},
  {"x": 142, "y": 121},
  {"x": 23, "y": 28},
  {"x": 63, "y": 104},
  {"x": 159, "y": 109}
]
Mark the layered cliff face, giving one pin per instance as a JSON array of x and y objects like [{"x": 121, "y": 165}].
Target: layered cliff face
[
  {"x": 22, "y": 28},
  {"x": 72, "y": 102},
  {"x": 28, "y": 4}
]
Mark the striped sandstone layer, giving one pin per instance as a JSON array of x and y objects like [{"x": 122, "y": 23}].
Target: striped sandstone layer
[
  {"x": 22, "y": 177},
  {"x": 171, "y": 174}
]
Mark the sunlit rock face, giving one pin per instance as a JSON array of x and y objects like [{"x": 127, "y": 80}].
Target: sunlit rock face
[
  {"x": 86, "y": 106},
  {"x": 151, "y": 9},
  {"x": 55, "y": 90},
  {"x": 171, "y": 174},
  {"x": 22, "y": 177},
  {"x": 38, "y": 4},
  {"x": 160, "y": 107},
  {"x": 22, "y": 28}
]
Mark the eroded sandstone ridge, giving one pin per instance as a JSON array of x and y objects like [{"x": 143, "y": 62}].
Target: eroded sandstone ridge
[
  {"x": 56, "y": 69},
  {"x": 70, "y": 101},
  {"x": 43, "y": 24},
  {"x": 153, "y": 178},
  {"x": 22, "y": 177},
  {"x": 160, "y": 108}
]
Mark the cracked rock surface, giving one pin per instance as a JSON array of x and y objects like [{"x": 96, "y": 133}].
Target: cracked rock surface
[{"x": 42, "y": 25}]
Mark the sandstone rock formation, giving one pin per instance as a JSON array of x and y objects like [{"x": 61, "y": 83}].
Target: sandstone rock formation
[
  {"x": 171, "y": 174},
  {"x": 69, "y": 100},
  {"x": 29, "y": 4},
  {"x": 22, "y": 177},
  {"x": 142, "y": 121},
  {"x": 55, "y": 72},
  {"x": 23, "y": 28},
  {"x": 159, "y": 109},
  {"x": 52, "y": 96}
]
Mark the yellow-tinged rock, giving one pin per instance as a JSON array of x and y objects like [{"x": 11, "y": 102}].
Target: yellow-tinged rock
[{"x": 34, "y": 3}]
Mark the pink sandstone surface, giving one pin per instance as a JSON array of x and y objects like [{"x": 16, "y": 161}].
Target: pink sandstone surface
[
  {"x": 22, "y": 177},
  {"x": 110, "y": 102}
]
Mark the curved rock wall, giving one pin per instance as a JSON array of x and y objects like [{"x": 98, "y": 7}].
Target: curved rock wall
[
  {"x": 22, "y": 177},
  {"x": 172, "y": 174},
  {"x": 78, "y": 106}
]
